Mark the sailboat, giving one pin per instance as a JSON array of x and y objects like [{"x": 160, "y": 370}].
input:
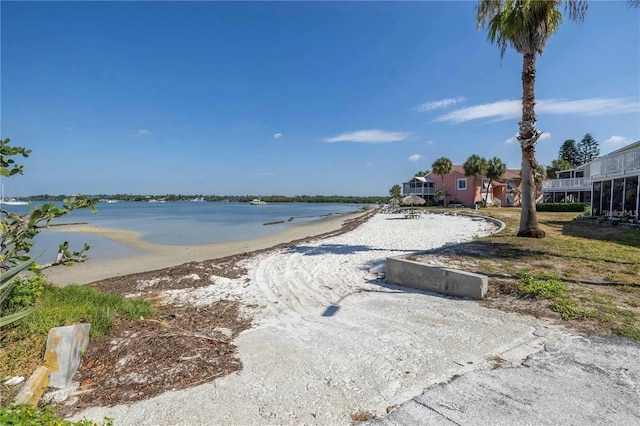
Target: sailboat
[{"x": 12, "y": 201}]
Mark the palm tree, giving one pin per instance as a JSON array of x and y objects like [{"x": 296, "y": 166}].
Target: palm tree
[
  {"x": 526, "y": 25},
  {"x": 442, "y": 166},
  {"x": 495, "y": 170},
  {"x": 475, "y": 166},
  {"x": 395, "y": 191}
]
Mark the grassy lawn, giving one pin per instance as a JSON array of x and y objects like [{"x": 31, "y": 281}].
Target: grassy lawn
[
  {"x": 584, "y": 273},
  {"x": 22, "y": 347}
]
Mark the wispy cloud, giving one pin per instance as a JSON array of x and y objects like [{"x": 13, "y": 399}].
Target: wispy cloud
[
  {"x": 514, "y": 138},
  {"x": 415, "y": 157},
  {"x": 369, "y": 164},
  {"x": 369, "y": 136},
  {"x": 616, "y": 141},
  {"x": 442, "y": 103},
  {"x": 277, "y": 135},
  {"x": 429, "y": 142},
  {"x": 507, "y": 109},
  {"x": 143, "y": 132}
]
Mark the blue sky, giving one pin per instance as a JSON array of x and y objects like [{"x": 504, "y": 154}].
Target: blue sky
[{"x": 291, "y": 98}]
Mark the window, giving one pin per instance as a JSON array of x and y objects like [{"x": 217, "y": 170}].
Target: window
[{"x": 462, "y": 184}]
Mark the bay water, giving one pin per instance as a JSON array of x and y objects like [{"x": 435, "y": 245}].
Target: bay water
[{"x": 178, "y": 223}]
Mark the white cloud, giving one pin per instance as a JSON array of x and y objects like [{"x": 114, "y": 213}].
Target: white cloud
[
  {"x": 507, "y": 109},
  {"x": 429, "y": 142},
  {"x": 143, "y": 132},
  {"x": 277, "y": 135},
  {"x": 442, "y": 103},
  {"x": 369, "y": 164},
  {"x": 617, "y": 141},
  {"x": 514, "y": 139},
  {"x": 369, "y": 136},
  {"x": 415, "y": 157}
]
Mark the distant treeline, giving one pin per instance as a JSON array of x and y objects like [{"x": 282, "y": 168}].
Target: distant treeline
[{"x": 231, "y": 198}]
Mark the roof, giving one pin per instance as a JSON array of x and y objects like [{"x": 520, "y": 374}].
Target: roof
[
  {"x": 422, "y": 179},
  {"x": 624, "y": 148},
  {"x": 509, "y": 174}
]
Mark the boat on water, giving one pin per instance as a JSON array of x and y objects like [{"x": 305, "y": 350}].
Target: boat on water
[
  {"x": 199, "y": 200},
  {"x": 14, "y": 202},
  {"x": 257, "y": 202},
  {"x": 11, "y": 201}
]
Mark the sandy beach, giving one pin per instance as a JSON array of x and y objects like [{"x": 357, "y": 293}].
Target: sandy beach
[
  {"x": 330, "y": 338},
  {"x": 159, "y": 256}
]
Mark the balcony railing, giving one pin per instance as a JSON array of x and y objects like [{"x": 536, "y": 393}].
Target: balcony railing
[
  {"x": 623, "y": 164},
  {"x": 419, "y": 190},
  {"x": 566, "y": 184}
]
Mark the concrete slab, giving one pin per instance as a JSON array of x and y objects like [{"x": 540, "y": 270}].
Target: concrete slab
[
  {"x": 64, "y": 351},
  {"x": 34, "y": 387},
  {"x": 439, "y": 279},
  {"x": 585, "y": 381}
]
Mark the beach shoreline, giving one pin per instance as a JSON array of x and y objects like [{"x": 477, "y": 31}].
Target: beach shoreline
[{"x": 160, "y": 256}]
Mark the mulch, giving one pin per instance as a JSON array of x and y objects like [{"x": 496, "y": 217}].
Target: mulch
[{"x": 179, "y": 348}]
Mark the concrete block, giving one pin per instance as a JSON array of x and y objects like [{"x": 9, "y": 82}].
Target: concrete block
[
  {"x": 34, "y": 387},
  {"x": 452, "y": 282},
  {"x": 64, "y": 350}
]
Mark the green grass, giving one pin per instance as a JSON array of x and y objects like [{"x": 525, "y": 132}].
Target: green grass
[
  {"x": 73, "y": 304},
  {"x": 22, "y": 346},
  {"x": 546, "y": 287},
  {"x": 587, "y": 271},
  {"x": 569, "y": 309},
  {"x": 26, "y": 415}
]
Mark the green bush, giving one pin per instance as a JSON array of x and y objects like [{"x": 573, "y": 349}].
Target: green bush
[
  {"x": 26, "y": 415},
  {"x": 561, "y": 207},
  {"x": 24, "y": 294}
]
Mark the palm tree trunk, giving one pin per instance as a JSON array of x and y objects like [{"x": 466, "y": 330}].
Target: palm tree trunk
[
  {"x": 528, "y": 137},
  {"x": 486, "y": 196},
  {"x": 444, "y": 192}
]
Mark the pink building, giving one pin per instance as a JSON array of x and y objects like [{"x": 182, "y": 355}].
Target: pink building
[{"x": 465, "y": 190}]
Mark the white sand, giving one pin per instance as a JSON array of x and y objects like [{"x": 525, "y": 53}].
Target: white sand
[
  {"x": 376, "y": 346},
  {"x": 159, "y": 256}
]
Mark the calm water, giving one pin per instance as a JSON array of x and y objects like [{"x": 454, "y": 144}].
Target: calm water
[{"x": 180, "y": 223}]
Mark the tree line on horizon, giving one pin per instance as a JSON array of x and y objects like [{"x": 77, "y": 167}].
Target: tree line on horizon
[{"x": 231, "y": 198}]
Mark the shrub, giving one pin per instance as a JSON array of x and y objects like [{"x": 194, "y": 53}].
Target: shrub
[
  {"x": 561, "y": 207},
  {"x": 24, "y": 294}
]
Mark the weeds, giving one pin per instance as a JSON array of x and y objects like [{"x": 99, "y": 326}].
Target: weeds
[
  {"x": 545, "y": 287},
  {"x": 28, "y": 415}
]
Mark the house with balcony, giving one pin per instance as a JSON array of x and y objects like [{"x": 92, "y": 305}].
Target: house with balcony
[
  {"x": 609, "y": 183},
  {"x": 614, "y": 183},
  {"x": 420, "y": 185},
  {"x": 465, "y": 190},
  {"x": 570, "y": 186}
]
